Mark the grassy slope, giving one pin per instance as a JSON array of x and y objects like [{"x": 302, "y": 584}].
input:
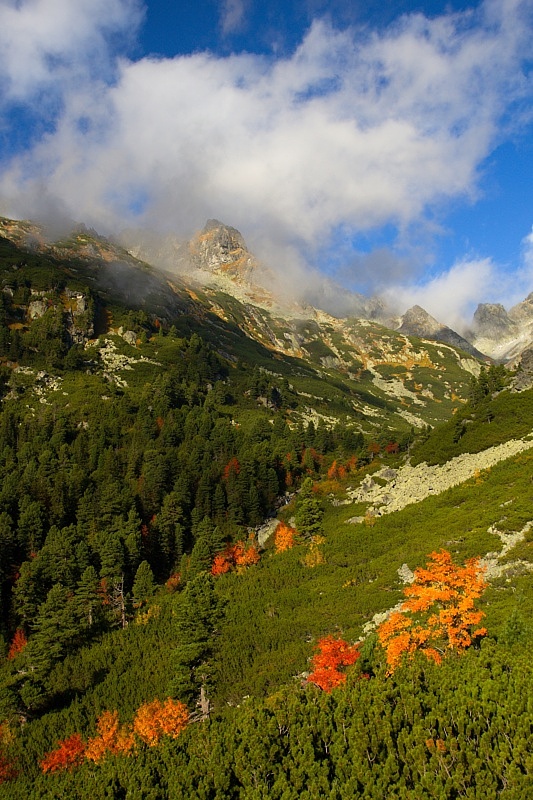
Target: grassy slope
[{"x": 277, "y": 610}]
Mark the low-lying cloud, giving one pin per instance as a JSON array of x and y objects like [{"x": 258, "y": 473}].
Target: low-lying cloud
[{"x": 357, "y": 128}]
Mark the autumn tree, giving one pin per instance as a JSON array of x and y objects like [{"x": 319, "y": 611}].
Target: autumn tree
[
  {"x": 155, "y": 719},
  {"x": 236, "y": 555},
  {"x": 285, "y": 537},
  {"x": 331, "y": 655},
  {"x": 111, "y": 738},
  {"x": 18, "y": 643},
  {"x": 8, "y": 770},
  {"x": 69, "y": 753},
  {"x": 439, "y": 614}
]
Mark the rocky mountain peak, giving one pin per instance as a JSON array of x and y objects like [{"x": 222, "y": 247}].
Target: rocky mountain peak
[
  {"x": 220, "y": 248},
  {"x": 491, "y": 320},
  {"x": 523, "y": 312},
  {"x": 418, "y": 322}
]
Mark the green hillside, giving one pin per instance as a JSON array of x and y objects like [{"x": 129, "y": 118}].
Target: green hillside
[{"x": 147, "y": 433}]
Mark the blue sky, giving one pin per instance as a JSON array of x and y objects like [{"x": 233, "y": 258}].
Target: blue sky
[{"x": 385, "y": 144}]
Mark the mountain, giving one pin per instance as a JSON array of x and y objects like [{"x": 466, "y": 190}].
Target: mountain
[
  {"x": 375, "y": 376},
  {"x": 502, "y": 334},
  {"x": 213, "y": 513},
  {"x": 417, "y": 322}
]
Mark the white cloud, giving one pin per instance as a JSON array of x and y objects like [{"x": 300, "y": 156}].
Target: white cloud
[
  {"x": 51, "y": 44},
  {"x": 355, "y": 129},
  {"x": 451, "y": 297},
  {"x": 232, "y": 16}
]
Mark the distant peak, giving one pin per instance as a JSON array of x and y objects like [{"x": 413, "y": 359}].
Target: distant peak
[
  {"x": 417, "y": 322},
  {"x": 213, "y": 223}
]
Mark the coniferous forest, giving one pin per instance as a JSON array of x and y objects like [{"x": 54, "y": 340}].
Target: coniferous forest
[{"x": 188, "y": 608}]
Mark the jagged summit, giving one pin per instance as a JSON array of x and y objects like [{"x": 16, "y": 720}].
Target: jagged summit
[
  {"x": 417, "y": 322},
  {"x": 503, "y": 334},
  {"x": 219, "y": 248},
  {"x": 492, "y": 320}
]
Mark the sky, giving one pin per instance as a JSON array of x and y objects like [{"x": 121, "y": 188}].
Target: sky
[{"x": 387, "y": 145}]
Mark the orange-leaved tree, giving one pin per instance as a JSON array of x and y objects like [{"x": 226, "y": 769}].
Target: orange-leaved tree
[
  {"x": 331, "y": 656},
  {"x": 18, "y": 644},
  {"x": 439, "y": 614},
  {"x": 285, "y": 537},
  {"x": 235, "y": 555},
  {"x": 155, "y": 719},
  {"x": 112, "y": 738},
  {"x": 69, "y": 753}
]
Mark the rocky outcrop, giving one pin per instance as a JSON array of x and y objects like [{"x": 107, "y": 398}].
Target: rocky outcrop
[
  {"x": 491, "y": 321},
  {"x": 220, "y": 248},
  {"x": 36, "y": 309},
  {"x": 413, "y": 484},
  {"x": 79, "y": 317},
  {"x": 503, "y": 335},
  {"x": 524, "y": 371}
]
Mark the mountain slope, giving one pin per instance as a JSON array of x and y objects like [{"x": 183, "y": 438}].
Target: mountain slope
[
  {"x": 417, "y": 322},
  {"x": 378, "y": 379},
  {"x": 149, "y": 426}
]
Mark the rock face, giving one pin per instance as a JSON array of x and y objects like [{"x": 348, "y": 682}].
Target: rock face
[
  {"x": 491, "y": 321},
  {"x": 417, "y": 322},
  {"x": 524, "y": 375},
  {"x": 79, "y": 317},
  {"x": 220, "y": 248},
  {"x": 522, "y": 313},
  {"x": 502, "y": 334}
]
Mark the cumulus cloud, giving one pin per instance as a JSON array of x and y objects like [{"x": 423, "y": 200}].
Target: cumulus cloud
[
  {"x": 356, "y": 128},
  {"x": 451, "y": 297},
  {"x": 48, "y": 45}
]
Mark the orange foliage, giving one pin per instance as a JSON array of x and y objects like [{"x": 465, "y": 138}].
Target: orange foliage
[
  {"x": 332, "y": 654},
  {"x": 439, "y": 614},
  {"x": 111, "y": 738},
  {"x": 232, "y": 466},
  {"x": 69, "y": 753},
  {"x": 8, "y": 771},
  {"x": 339, "y": 471},
  {"x": 18, "y": 644},
  {"x": 235, "y": 555},
  {"x": 221, "y": 564},
  {"x": 285, "y": 537},
  {"x": 332, "y": 471},
  {"x": 249, "y": 557},
  {"x": 156, "y": 719},
  {"x": 103, "y": 591}
]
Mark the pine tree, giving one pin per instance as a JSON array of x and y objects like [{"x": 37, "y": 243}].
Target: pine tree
[
  {"x": 87, "y": 599},
  {"x": 308, "y": 517},
  {"x": 144, "y": 584},
  {"x": 198, "y": 613}
]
